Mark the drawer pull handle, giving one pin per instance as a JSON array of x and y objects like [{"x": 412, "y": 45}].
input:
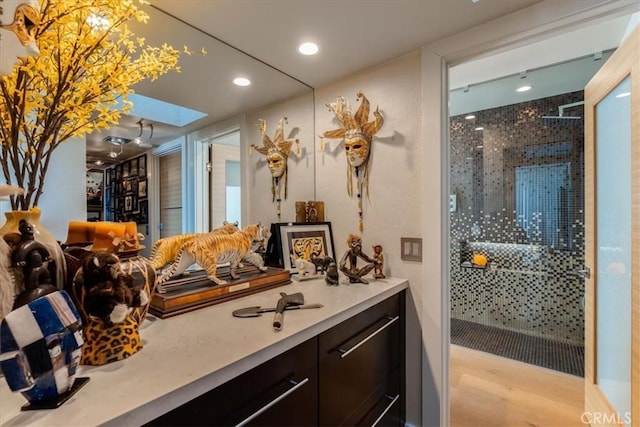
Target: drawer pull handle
[
  {"x": 393, "y": 400},
  {"x": 345, "y": 353},
  {"x": 296, "y": 385}
]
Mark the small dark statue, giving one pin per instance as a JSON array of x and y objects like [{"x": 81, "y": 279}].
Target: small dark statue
[
  {"x": 37, "y": 266},
  {"x": 379, "y": 257},
  {"x": 352, "y": 254},
  {"x": 331, "y": 275},
  {"x": 322, "y": 263}
]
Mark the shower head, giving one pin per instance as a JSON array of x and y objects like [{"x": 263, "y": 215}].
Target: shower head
[{"x": 560, "y": 120}]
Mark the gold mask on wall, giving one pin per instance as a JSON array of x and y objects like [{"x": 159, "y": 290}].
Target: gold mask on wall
[
  {"x": 18, "y": 22},
  {"x": 277, "y": 154},
  {"x": 357, "y": 133}
]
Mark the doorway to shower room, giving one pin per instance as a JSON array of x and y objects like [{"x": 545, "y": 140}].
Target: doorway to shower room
[{"x": 517, "y": 225}]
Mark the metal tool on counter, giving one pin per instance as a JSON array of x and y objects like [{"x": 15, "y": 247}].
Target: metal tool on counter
[
  {"x": 257, "y": 310},
  {"x": 285, "y": 301}
]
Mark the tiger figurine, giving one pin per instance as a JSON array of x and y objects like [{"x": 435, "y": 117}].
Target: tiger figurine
[
  {"x": 165, "y": 250},
  {"x": 211, "y": 249}
]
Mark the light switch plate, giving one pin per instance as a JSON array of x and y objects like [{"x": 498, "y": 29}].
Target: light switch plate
[
  {"x": 411, "y": 248},
  {"x": 453, "y": 203}
]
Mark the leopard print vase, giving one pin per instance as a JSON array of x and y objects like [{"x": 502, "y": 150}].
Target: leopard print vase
[{"x": 104, "y": 344}]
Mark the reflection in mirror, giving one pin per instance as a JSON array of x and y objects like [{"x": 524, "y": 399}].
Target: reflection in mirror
[{"x": 209, "y": 195}]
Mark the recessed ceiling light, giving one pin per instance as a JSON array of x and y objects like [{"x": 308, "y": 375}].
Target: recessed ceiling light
[
  {"x": 623, "y": 94},
  {"x": 479, "y": 128},
  {"x": 99, "y": 162},
  {"x": 308, "y": 48},
  {"x": 113, "y": 154},
  {"x": 470, "y": 117},
  {"x": 241, "y": 81},
  {"x": 524, "y": 88}
]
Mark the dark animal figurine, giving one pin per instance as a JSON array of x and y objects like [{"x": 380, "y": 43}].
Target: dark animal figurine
[
  {"x": 108, "y": 291},
  {"x": 322, "y": 263},
  {"x": 332, "y": 276}
]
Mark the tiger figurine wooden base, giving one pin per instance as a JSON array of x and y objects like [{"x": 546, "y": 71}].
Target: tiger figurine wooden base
[{"x": 211, "y": 249}]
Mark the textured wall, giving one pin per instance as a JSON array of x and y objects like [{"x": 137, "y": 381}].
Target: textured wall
[{"x": 529, "y": 286}]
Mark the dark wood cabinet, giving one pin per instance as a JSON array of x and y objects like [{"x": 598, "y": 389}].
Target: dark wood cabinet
[
  {"x": 280, "y": 392},
  {"x": 351, "y": 374},
  {"x": 361, "y": 368}
]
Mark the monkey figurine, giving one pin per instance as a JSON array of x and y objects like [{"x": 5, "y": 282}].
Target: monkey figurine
[
  {"x": 354, "y": 251},
  {"x": 379, "y": 257}
]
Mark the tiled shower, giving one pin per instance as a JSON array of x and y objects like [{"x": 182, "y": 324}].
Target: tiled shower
[{"x": 517, "y": 191}]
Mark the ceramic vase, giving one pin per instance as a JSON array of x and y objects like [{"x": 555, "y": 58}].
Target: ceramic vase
[
  {"x": 107, "y": 342},
  {"x": 144, "y": 278}
]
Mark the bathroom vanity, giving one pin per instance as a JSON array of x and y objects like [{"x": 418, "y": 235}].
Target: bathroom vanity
[{"x": 339, "y": 364}]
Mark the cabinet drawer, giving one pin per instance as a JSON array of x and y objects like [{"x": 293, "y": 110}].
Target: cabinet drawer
[
  {"x": 382, "y": 407},
  {"x": 280, "y": 392},
  {"x": 358, "y": 359}
]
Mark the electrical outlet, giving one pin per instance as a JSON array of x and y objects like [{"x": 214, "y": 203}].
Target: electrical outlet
[
  {"x": 411, "y": 248},
  {"x": 453, "y": 203}
]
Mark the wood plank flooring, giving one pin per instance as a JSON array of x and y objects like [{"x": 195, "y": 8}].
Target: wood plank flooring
[{"x": 488, "y": 390}]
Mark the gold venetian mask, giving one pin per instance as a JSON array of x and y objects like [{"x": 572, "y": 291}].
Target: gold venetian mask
[
  {"x": 277, "y": 163},
  {"x": 356, "y": 147},
  {"x": 25, "y": 19},
  {"x": 17, "y": 32}
]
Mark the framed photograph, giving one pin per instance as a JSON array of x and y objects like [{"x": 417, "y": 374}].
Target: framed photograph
[
  {"x": 303, "y": 240},
  {"x": 130, "y": 203},
  {"x": 133, "y": 168},
  {"x": 143, "y": 217},
  {"x": 142, "y": 166},
  {"x": 94, "y": 188},
  {"x": 118, "y": 172},
  {"x": 142, "y": 189}
]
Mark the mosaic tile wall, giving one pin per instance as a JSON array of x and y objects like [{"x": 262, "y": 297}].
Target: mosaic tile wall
[{"x": 529, "y": 285}]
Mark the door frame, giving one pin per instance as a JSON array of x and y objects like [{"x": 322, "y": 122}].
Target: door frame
[
  {"x": 542, "y": 20},
  {"x": 624, "y": 62}
]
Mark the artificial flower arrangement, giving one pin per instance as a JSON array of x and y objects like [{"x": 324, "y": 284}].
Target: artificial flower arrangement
[{"x": 78, "y": 84}]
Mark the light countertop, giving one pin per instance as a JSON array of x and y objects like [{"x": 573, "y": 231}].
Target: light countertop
[{"x": 190, "y": 354}]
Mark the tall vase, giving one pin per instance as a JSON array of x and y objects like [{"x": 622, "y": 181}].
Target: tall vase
[
  {"x": 144, "y": 278},
  {"x": 42, "y": 235}
]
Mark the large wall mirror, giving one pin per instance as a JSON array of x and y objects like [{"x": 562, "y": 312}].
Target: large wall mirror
[{"x": 202, "y": 113}]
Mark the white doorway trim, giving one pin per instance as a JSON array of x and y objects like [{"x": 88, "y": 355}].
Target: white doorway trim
[{"x": 542, "y": 20}]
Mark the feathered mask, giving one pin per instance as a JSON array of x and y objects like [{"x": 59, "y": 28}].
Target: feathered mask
[
  {"x": 277, "y": 153},
  {"x": 357, "y": 133}
]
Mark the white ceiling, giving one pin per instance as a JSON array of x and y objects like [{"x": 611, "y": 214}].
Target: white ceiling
[{"x": 259, "y": 39}]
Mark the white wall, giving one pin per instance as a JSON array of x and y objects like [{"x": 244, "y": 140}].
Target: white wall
[
  {"x": 395, "y": 185},
  {"x": 64, "y": 196}
]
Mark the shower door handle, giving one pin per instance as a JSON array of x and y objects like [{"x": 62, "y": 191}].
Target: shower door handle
[{"x": 585, "y": 272}]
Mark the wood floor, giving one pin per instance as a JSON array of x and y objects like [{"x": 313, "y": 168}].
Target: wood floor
[{"x": 488, "y": 390}]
